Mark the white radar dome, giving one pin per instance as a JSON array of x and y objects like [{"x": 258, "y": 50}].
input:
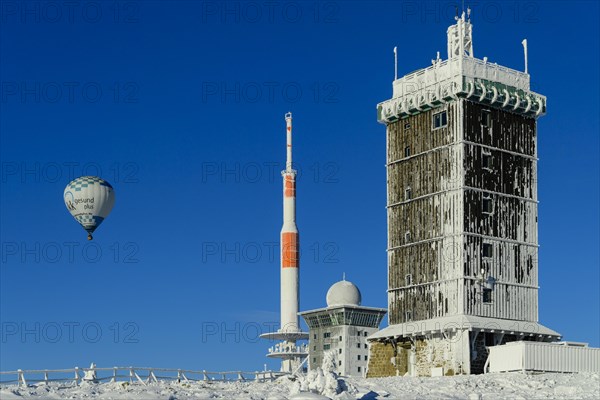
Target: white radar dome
[{"x": 343, "y": 293}]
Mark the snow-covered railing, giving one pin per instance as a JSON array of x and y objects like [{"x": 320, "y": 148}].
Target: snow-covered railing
[{"x": 140, "y": 375}]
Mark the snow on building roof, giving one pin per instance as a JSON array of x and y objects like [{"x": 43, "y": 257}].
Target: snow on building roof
[{"x": 461, "y": 322}]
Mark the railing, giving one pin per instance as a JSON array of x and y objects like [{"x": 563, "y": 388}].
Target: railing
[
  {"x": 283, "y": 348},
  {"x": 140, "y": 375},
  {"x": 448, "y": 70}
]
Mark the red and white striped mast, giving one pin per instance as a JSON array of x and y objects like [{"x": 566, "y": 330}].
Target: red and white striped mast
[
  {"x": 291, "y": 355},
  {"x": 289, "y": 242}
]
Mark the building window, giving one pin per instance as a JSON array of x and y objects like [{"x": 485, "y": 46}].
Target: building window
[
  {"x": 366, "y": 334},
  {"x": 486, "y": 250},
  {"x": 358, "y": 345},
  {"x": 340, "y": 338},
  {"x": 340, "y": 351},
  {"x": 407, "y": 151},
  {"x": 365, "y": 345},
  {"x": 314, "y": 360},
  {"x": 358, "y": 356},
  {"x": 407, "y": 193},
  {"x": 357, "y": 333},
  {"x": 326, "y": 346},
  {"x": 486, "y": 204},
  {"x": 327, "y": 335},
  {"x": 408, "y": 279},
  {"x": 358, "y": 369},
  {"x": 486, "y": 159},
  {"x": 407, "y": 125},
  {"x": 487, "y": 295},
  {"x": 485, "y": 118},
  {"x": 366, "y": 358},
  {"x": 315, "y": 348},
  {"x": 407, "y": 237},
  {"x": 408, "y": 316},
  {"x": 340, "y": 363},
  {"x": 440, "y": 120}
]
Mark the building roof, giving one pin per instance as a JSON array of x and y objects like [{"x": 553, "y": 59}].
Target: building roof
[
  {"x": 464, "y": 322},
  {"x": 343, "y": 293},
  {"x": 344, "y": 315}
]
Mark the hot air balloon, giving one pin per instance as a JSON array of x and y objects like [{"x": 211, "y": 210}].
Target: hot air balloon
[{"x": 89, "y": 199}]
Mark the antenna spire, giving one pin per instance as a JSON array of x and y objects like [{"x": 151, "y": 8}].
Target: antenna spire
[{"x": 395, "y": 62}]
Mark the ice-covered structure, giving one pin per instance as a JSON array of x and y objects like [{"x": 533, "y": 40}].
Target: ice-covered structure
[{"x": 462, "y": 214}]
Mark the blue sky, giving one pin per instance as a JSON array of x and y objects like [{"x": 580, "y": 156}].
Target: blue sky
[{"x": 180, "y": 106}]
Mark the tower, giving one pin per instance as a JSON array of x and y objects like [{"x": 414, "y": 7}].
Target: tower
[
  {"x": 289, "y": 333},
  {"x": 342, "y": 327},
  {"x": 462, "y": 213}
]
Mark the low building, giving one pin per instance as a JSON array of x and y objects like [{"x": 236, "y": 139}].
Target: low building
[{"x": 342, "y": 327}]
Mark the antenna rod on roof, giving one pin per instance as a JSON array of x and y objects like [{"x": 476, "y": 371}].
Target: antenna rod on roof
[
  {"x": 395, "y": 62},
  {"x": 524, "y": 43}
]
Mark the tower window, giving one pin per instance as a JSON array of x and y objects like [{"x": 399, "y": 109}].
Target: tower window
[
  {"x": 358, "y": 356},
  {"x": 486, "y": 204},
  {"x": 486, "y": 159},
  {"x": 357, "y": 333},
  {"x": 340, "y": 351},
  {"x": 487, "y": 295},
  {"x": 407, "y": 125},
  {"x": 315, "y": 336},
  {"x": 407, "y": 151},
  {"x": 340, "y": 363},
  {"x": 314, "y": 360},
  {"x": 365, "y": 345},
  {"x": 365, "y": 333},
  {"x": 326, "y": 346},
  {"x": 366, "y": 358},
  {"x": 358, "y": 345},
  {"x": 315, "y": 348},
  {"x": 340, "y": 338},
  {"x": 327, "y": 335},
  {"x": 440, "y": 120},
  {"x": 486, "y": 250},
  {"x": 407, "y": 193},
  {"x": 408, "y": 279},
  {"x": 408, "y": 316},
  {"x": 358, "y": 369},
  {"x": 407, "y": 237},
  {"x": 486, "y": 118}
]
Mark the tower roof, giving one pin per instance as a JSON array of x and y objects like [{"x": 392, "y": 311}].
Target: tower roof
[
  {"x": 461, "y": 76},
  {"x": 343, "y": 293}
]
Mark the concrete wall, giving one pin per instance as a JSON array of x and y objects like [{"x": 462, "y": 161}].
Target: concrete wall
[
  {"x": 417, "y": 356},
  {"x": 347, "y": 342}
]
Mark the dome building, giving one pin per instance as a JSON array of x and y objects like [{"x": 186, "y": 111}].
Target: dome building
[{"x": 342, "y": 327}]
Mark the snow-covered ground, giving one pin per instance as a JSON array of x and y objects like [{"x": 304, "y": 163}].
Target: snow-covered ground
[{"x": 491, "y": 386}]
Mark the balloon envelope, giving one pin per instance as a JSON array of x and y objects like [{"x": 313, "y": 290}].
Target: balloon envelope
[{"x": 89, "y": 199}]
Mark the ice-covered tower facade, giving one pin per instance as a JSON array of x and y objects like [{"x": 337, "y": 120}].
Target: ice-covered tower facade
[
  {"x": 291, "y": 354},
  {"x": 462, "y": 211}
]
